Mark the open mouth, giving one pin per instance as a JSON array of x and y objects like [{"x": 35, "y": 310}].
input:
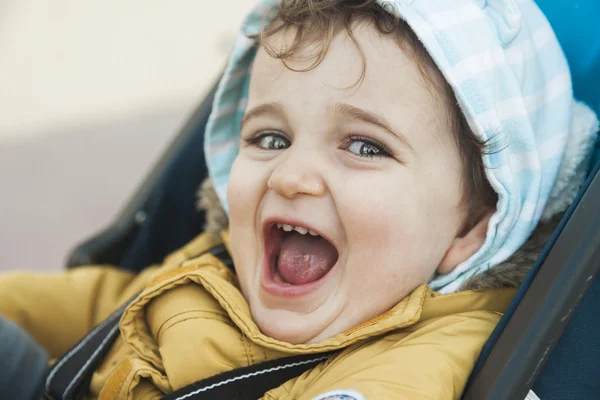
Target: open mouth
[{"x": 297, "y": 255}]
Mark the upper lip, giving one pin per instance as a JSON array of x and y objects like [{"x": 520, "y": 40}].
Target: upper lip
[{"x": 269, "y": 222}]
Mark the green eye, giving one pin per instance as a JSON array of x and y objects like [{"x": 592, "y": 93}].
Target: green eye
[
  {"x": 363, "y": 147},
  {"x": 272, "y": 142}
]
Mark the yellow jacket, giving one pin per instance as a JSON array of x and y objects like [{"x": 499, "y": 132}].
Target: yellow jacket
[{"x": 191, "y": 322}]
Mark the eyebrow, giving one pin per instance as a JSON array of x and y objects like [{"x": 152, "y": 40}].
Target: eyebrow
[
  {"x": 343, "y": 109},
  {"x": 359, "y": 114},
  {"x": 266, "y": 109}
]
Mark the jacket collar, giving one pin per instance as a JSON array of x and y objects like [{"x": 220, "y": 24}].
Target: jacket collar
[{"x": 420, "y": 305}]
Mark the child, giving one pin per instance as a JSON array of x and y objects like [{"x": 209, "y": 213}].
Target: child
[{"x": 375, "y": 160}]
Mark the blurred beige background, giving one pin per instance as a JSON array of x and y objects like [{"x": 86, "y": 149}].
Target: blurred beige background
[{"x": 90, "y": 95}]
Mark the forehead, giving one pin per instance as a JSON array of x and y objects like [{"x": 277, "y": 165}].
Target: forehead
[{"x": 391, "y": 75}]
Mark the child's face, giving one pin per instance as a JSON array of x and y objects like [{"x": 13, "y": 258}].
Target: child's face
[{"x": 391, "y": 218}]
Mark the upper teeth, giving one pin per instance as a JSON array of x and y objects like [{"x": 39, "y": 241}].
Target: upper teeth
[{"x": 300, "y": 229}]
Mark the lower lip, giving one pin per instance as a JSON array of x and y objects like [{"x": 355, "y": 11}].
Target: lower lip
[{"x": 271, "y": 286}]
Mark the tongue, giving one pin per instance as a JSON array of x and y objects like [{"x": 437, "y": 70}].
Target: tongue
[{"x": 304, "y": 259}]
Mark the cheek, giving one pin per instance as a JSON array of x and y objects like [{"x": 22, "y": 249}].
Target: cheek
[
  {"x": 387, "y": 245},
  {"x": 393, "y": 231},
  {"x": 237, "y": 188},
  {"x": 244, "y": 192},
  {"x": 379, "y": 212}
]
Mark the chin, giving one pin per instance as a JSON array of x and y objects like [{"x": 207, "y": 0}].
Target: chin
[
  {"x": 285, "y": 335},
  {"x": 289, "y": 327}
]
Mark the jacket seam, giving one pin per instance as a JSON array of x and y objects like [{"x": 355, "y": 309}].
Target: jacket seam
[
  {"x": 244, "y": 347},
  {"x": 251, "y": 353},
  {"x": 387, "y": 338},
  {"x": 209, "y": 312}
]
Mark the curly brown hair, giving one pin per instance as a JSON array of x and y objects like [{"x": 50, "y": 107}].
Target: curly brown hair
[{"x": 316, "y": 23}]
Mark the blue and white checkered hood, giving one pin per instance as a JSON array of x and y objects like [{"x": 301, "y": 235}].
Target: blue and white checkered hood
[{"x": 511, "y": 80}]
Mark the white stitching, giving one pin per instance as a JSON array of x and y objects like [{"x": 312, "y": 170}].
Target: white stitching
[
  {"x": 237, "y": 378},
  {"x": 79, "y": 346},
  {"x": 104, "y": 342}
]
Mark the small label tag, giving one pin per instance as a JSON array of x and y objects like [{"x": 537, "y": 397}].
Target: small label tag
[{"x": 531, "y": 396}]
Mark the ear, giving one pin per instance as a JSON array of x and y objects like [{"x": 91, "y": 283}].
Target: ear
[{"x": 465, "y": 246}]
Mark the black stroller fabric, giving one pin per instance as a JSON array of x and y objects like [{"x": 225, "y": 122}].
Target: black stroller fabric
[
  {"x": 574, "y": 366},
  {"x": 171, "y": 216}
]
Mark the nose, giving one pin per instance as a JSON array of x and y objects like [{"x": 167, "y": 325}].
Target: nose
[{"x": 296, "y": 176}]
